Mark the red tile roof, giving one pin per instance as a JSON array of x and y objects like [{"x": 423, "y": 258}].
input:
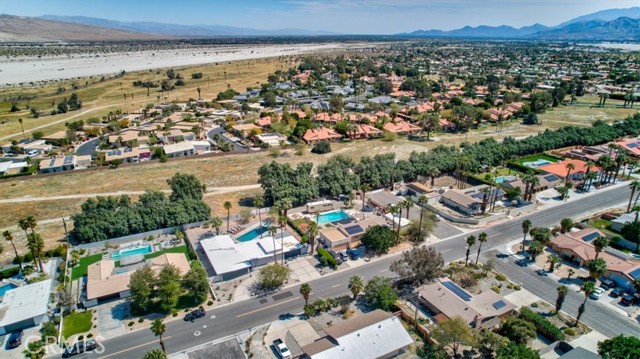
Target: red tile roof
[
  {"x": 321, "y": 134},
  {"x": 401, "y": 127},
  {"x": 560, "y": 168}
]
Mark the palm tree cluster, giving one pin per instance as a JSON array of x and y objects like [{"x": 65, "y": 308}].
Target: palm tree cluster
[
  {"x": 35, "y": 242},
  {"x": 471, "y": 241}
]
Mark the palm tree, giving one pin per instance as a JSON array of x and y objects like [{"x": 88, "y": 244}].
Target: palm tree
[
  {"x": 565, "y": 225},
  {"x": 471, "y": 240},
  {"x": 154, "y": 353},
  {"x": 433, "y": 172},
  {"x": 258, "y": 202},
  {"x": 570, "y": 167},
  {"x": 393, "y": 210},
  {"x": 24, "y": 225},
  {"x": 216, "y": 223},
  {"x": 158, "y": 328},
  {"x": 422, "y": 200},
  {"x": 198, "y": 89},
  {"x": 305, "y": 290},
  {"x": 535, "y": 248},
  {"x": 553, "y": 260},
  {"x": 570, "y": 272},
  {"x": 312, "y": 232},
  {"x": 356, "y": 285},
  {"x": 482, "y": 238},
  {"x": 282, "y": 221},
  {"x": 364, "y": 188},
  {"x": 272, "y": 231},
  {"x": 22, "y": 127},
  {"x": 597, "y": 268},
  {"x": 8, "y": 235},
  {"x": 600, "y": 243},
  {"x": 588, "y": 288},
  {"x": 634, "y": 185},
  {"x": 563, "y": 290},
  {"x": 526, "y": 227},
  {"x": 407, "y": 204},
  {"x": 227, "y": 206}
]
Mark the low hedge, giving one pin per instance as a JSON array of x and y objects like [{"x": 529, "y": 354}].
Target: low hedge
[
  {"x": 543, "y": 326},
  {"x": 330, "y": 260}
]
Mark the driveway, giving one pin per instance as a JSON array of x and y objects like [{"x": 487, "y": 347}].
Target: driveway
[
  {"x": 220, "y": 131},
  {"x": 112, "y": 317},
  {"x": 88, "y": 148}
]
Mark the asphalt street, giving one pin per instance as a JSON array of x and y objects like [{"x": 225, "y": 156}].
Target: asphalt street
[
  {"x": 220, "y": 130},
  {"x": 88, "y": 148},
  {"x": 241, "y": 316}
]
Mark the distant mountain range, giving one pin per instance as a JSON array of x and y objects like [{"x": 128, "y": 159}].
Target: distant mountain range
[
  {"x": 606, "y": 25},
  {"x": 183, "y": 30}
]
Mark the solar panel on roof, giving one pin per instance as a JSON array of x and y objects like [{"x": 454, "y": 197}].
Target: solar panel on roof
[
  {"x": 68, "y": 160},
  {"x": 499, "y": 304},
  {"x": 351, "y": 230},
  {"x": 550, "y": 178},
  {"x": 590, "y": 236},
  {"x": 635, "y": 274},
  {"x": 51, "y": 162},
  {"x": 457, "y": 291},
  {"x": 632, "y": 145}
]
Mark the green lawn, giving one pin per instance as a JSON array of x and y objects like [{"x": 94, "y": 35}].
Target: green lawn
[
  {"x": 180, "y": 249},
  {"x": 81, "y": 269},
  {"x": 541, "y": 156},
  {"x": 76, "y": 323}
]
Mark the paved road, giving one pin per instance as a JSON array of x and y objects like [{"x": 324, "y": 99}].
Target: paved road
[
  {"x": 597, "y": 315},
  {"x": 241, "y": 316},
  {"x": 219, "y": 130},
  {"x": 445, "y": 230},
  {"x": 88, "y": 148}
]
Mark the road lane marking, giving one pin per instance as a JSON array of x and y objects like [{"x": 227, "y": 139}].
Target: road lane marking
[
  {"x": 136, "y": 347},
  {"x": 267, "y": 307},
  {"x": 336, "y": 285},
  {"x": 197, "y": 333},
  {"x": 384, "y": 270},
  {"x": 446, "y": 250}
]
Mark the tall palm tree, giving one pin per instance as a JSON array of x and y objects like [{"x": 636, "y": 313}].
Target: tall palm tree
[
  {"x": 597, "y": 268},
  {"x": 526, "y": 227},
  {"x": 563, "y": 290},
  {"x": 305, "y": 290},
  {"x": 24, "y": 225},
  {"x": 393, "y": 210},
  {"x": 570, "y": 167},
  {"x": 8, "y": 235},
  {"x": 282, "y": 221},
  {"x": 634, "y": 185},
  {"x": 600, "y": 243},
  {"x": 272, "y": 231},
  {"x": 364, "y": 188},
  {"x": 227, "y": 206},
  {"x": 312, "y": 232},
  {"x": 565, "y": 225},
  {"x": 36, "y": 245},
  {"x": 535, "y": 248},
  {"x": 22, "y": 127},
  {"x": 471, "y": 240},
  {"x": 553, "y": 260},
  {"x": 216, "y": 223},
  {"x": 482, "y": 238},
  {"x": 258, "y": 202},
  {"x": 407, "y": 204},
  {"x": 356, "y": 285},
  {"x": 158, "y": 328},
  {"x": 587, "y": 288},
  {"x": 422, "y": 200},
  {"x": 433, "y": 172}
]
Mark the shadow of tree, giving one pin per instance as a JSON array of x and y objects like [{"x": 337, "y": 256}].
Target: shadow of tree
[{"x": 121, "y": 311}]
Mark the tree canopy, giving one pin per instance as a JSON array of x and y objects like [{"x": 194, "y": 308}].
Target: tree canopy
[
  {"x": 378, "y": 239},
  {"x": 337, "y": 176},
  {"x": 419, "y": 266},
  {"x": 379, "y": 293},
  {"x": 620, "y": 347}
]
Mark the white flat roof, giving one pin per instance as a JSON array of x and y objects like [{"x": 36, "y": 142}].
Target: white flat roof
[
  {"x": 25, "y": 302},
  {"x": 178, "y": 147}
]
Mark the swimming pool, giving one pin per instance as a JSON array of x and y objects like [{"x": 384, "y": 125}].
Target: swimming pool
[
  {"x": 333, "y": 216},
  {"x": 537, "y": 163},
  {"x": 7, "y": 287},
  {"x": 252, "y": 234},
  {"x": 132, "y": 251}
]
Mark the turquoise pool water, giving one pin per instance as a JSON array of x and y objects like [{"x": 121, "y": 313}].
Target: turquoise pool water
[
  {"x": 332, "y": 216},
  {"x": 500, "y": 179},
  {"x": 126, "y": 252},
  {"x": 252, "y": 234},
  {"x": 6, "y": 288}
]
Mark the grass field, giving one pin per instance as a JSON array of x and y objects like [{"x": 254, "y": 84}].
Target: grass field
[
  {"x": 179, "y": 249},
  {"x": 81, "y": 269},
  {"x": 76, "y": 323}
]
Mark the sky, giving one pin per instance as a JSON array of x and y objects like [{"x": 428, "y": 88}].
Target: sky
[{"x": 340, "y": 16}]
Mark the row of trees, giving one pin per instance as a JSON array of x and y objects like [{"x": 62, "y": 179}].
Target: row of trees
[
  {"x": 35, "y": 242},
  {"x": 109, "y": 217}
]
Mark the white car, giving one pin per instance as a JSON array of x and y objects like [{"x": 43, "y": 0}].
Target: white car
[{"x": 597, "y": 293}]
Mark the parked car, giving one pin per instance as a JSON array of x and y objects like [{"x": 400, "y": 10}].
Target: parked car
[
  {"x": 282, "y": 349},
  {"x": 523, "y": 262},
  {"x": 344, "y": 256},
  {"x": 354, "y": 253},
  {"x": 597, "y": 293},
  {"x": 15, "y": 340},
  {"x": 337, "y": 257},
  {"x": 617, "y": 292},
  {"x": 79, "y": 348},
  {"x": 192, "y": 316},
  {"x": 627, "y": 299},
  {"x": 542, "y": 272},
  {"x": 608, "y": 284}
]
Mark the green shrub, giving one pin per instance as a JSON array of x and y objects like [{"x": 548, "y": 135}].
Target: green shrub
[
  {"x": 496, "y": 289},
  {"x": 321, "y": 148},
  {"x": 534, "y": 305},
  {"x": 570, "y": 332},
  {"x": 543, "y": 326},
  {"x": 501, "y": 277},
  {"x": 330, "y": 260},
  {"x": 130, "y": 324},
  {"x": 517, "y": 287},
  {"x": 140, "y": 320},
  {"x": 210, "y": 303}
]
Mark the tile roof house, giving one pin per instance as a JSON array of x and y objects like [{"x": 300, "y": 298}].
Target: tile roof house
[
  {"x": 364, "y": 131},
  {"x": 633, "y": 146},
  {"x": 469, "y": 201},
  {"x": 377, "y": 334},
  {"x": 322, "y": 134},
  {"x": 402, "y": 128},
  {"x": 576, "y": 247},
  {"x": 446, "y": 300},
  {"x": 560, "y": 169},
  {"x": 328, "y": 118}
]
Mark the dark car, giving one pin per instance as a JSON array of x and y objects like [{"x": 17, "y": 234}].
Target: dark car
[
  {"x": 629, "y": 299},
  {"x": 354, "y": 254},
  {"x": 617, "y": 292},
  {"x": 542, "y": 272},
  {"x": 608, "y": 284},
  {"x": 523, "y": 262},
  {"x": 198, "y": 313},
  {"x": 79, "y": 348},
  {"x": 337, "y": 257},
  {"x": 15, "y": 339}
]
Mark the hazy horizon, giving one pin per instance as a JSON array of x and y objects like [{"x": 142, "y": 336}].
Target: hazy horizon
[{"x": 337, "y": 16}]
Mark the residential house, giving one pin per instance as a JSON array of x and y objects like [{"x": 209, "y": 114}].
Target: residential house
[
  {"x": 382, "y": 200},
  {"x": 469, "y": 201},
  {"x": 322, "y": 134},
  {"x": 560, "y": 169},
  {"x": 128, "y": 138},
  {"x": 327, "y": 118},
  {"x": 577, "y": 247},
  {"x": 127, "y": 155},
  {"x": 244, "y": 130},
  {"x": 633, "y": 146},
  {"x": 180, "y": 149},
  {"x": 546, "y": 181},
  {"x": 201, "y": 146},
  {"x": 272, "y": 139},
  {"x": 11, "y": 168},
  {"x": 445, "y": 300},
  {"x": 25, "y": 306},
  {"x": 377, "y": 334},
  {"x": 364, "y": 131},
  {"x": 622, "y": 220},
  {"x": 58, "y": 164},
  {"x": 402, "y": 128}
]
